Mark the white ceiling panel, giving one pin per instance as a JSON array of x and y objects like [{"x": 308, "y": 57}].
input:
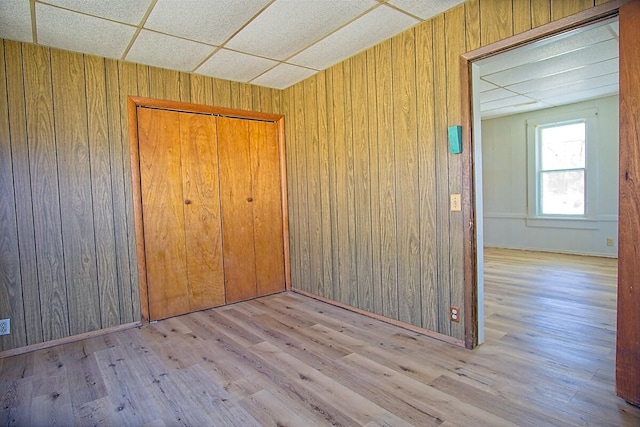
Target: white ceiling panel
[
  {"x": 578, "y": 96},
  {"x": 226, "y": 64},
  {"x": 354, "y": 38},
  {"x": 496, "y": 94},
  {"x": 127, "y": 11},
  {"x": 425, "y": 9},
  {"x": 504, "y": 102},
  {"x": 575, "y": 59},
  {"x": 192, "y": 19},
  {"x": 579, "y": 86},
  {"x": 165, "y": 51},
  {"x": 15, "y": 20},
  {"x": 80, "y": 33},
  {"x": 548, "y": 48},
  {"x": 485, "y": 86},
  {"x": 283, "y": 76},
  {"x": 514, "y": 109},
  {"x": 587, "y": 72},
  {"x": 288, "y": 26}
]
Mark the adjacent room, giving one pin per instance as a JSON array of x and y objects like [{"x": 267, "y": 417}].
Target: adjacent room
[{"x": 296, "y": 212}]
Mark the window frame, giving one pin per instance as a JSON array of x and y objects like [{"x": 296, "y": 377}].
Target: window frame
[{"x": 535, "y": 217}]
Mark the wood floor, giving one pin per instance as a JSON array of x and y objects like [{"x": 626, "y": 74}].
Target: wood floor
[{"x": 287, "y": 360}]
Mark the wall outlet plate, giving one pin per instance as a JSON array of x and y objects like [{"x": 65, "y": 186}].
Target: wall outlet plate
[{"x": 5, "y": 326}]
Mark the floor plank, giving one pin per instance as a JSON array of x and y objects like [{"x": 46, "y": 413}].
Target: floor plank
[{"x": 288, "y": 360}]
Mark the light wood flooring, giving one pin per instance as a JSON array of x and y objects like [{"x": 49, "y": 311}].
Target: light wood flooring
[{"x": 288, "y": 360}]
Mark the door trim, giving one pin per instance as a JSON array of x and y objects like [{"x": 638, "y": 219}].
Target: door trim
[
  {"x": 578, "y": 20},
  {"x": 133, "y": 102}
]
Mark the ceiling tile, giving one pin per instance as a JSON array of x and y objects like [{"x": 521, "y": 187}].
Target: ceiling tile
[
  {"x": 513, "y": 109},
  {"x": 283, "y": 76},
  {"x": 425, "y": 9},
  {"x": 127, "y": 11},
  {"x": 583, "y": 95},
  {"x": 513, "y": 100},
  {"x": 288, "y": 26},
  {"x": 557, "y": 80},
  {"x": 202, "y": 20},
  {"x": 81, "y": 33},
  {"x": 240, "y": 67},
  {"x": 583, "y": 86},
  {"x": 484, "y": 86},
  {"x": 168, "y": 52},
  {"x": 15, "y": 21},
  {"x": 545, "y": 49},
  {"x": 495, "y": 94},
  {"x": 354, "y": 38},
  {"x": 575, "y": 59}
]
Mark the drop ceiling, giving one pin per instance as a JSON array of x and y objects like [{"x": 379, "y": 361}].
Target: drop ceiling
[
  {"x": 570, "y": 67},
  {"x": 273, "y": 43}
]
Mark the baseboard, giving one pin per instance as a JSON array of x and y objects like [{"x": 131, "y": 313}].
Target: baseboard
[
  {"x": 408, "y": 326},
  {"x": 67, "y": 340}
]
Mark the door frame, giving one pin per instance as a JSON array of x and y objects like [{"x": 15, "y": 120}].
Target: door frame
[
  {"x": 581, "y": 19},
  {"x": 133, "y": 102}
]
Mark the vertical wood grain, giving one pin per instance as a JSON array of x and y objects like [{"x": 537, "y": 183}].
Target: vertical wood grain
[
  {"x": 201, "y": 90},
  {"x": 267, "y": 207},
  {"x": 324, "y": 174},
  {"x": 350, "y": 212},
  {"x": 128, "y": 85},
  {"x": 222, "y": 90},
  {"x": 163, "y": 212},
  {"x": 521, "y": 16},
  {"x": 45, "y": 192},
  {"x": 202, "y": 220},
  {"x": 362, "y": 182},
  {"x": 237, "y": 209},
  {"x": 101, "y": 191},
  {"x": 333, "y": 286},
  {"x": 406, "y": 159},
  {"x": 563, "y": 8},
  {"x": 300, "y": 185},
  {"x": 374, "y": 173},
  {"x": 72, "y": 152},
  {"x": 117, "y": 159},
  {"x": 288, "y": 109},
  {"x": 313, "y": 188},
  {"x": 427, "y": 175},
  {"x": 184, "y": 82},
  {"x": 142, "y": 72},
  {"x": 496, "y": 21},
  {"x": 628, "y": 332},
  {"x": 442, "y": 173},
  {"x": 455, "y": 45},
  {"x": 540, "y": 12},
  {"x": 472, "y": 23},
  {"x": 11, "y": 301},
  {"x": 22, "y": 186},
  {"x": 388, "y": 236}
]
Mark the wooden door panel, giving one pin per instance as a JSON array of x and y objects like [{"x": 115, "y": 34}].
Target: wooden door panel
[
  {"x": 202, "y": 210},
  {"x": 162, "y": 212},
  {"x": 237, "y": 216},
  {"x": 267, "y": 207}
]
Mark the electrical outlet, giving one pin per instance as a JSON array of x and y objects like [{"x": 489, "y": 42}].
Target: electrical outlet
[
  {"x": 610, "y": 241},
  {"x": 456, "y": 205},
  {"x": 5, "y": 327},
  {"x": 454, "y": 314}
]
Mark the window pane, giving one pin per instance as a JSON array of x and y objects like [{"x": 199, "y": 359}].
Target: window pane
[
  {"x": 562, "y": 193},
  {"x": 562, "y": 147}
]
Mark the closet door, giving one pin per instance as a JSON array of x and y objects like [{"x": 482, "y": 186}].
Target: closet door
[
  {"x": 251, "y": 208},
  {"x": 237, "y": 208},
  {"x": 180, "y": 211},
  {"x": 267, "y": 207}
]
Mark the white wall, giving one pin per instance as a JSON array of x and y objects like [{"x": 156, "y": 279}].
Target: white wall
[{"x": 505, "y": 188}]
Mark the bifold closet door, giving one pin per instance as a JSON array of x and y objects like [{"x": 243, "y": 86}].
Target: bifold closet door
[
  {"x": 251, "y": 208},
  {"x": 181, "y": 211}
]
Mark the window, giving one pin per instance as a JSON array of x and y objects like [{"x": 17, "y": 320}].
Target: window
[
  {"x": 561, "y": 168},
  {"x": 562, "y": 173}
]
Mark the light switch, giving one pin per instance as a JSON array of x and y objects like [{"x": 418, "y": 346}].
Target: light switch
[{"x": 456, "y": 205}]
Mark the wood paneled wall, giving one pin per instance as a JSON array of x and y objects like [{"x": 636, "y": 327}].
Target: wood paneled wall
[
  {"x": 67, "y": 242},
  {"x": 369, "y": 169}
]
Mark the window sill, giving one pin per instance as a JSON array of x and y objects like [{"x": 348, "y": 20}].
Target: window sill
[{"x": 557, "y": 222}]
